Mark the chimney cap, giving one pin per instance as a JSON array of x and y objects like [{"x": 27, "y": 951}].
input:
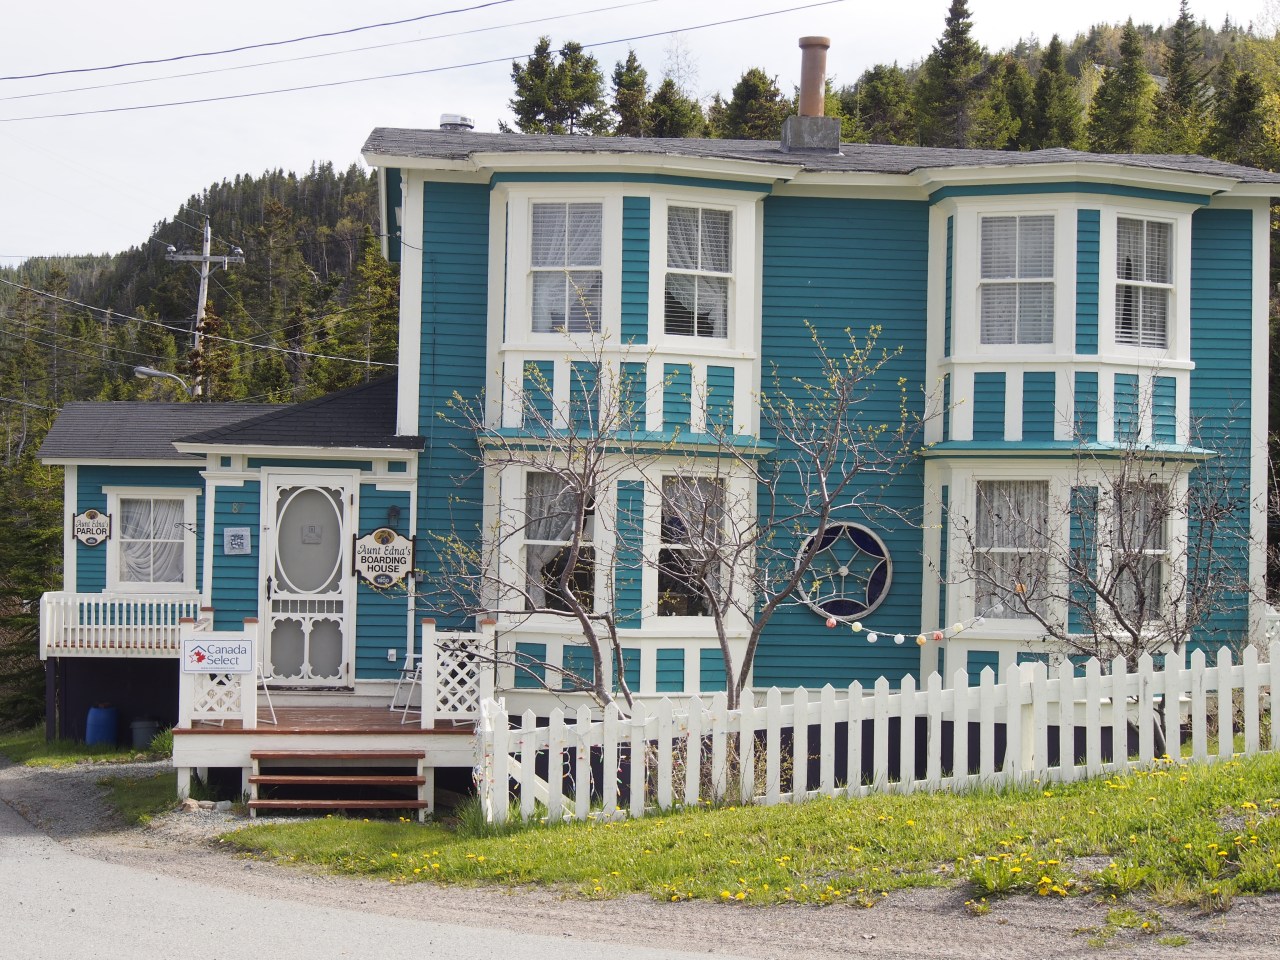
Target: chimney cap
[{"x": 824, "y": 42}]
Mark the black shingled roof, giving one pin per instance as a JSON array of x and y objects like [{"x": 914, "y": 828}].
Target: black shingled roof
[
  {"x": 363, "y": 416},
  {"x": 853, "y": 157},
  {"x": 137, "y": 430}
]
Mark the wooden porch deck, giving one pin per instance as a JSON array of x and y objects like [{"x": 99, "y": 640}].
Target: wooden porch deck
[{"x": 335, "y": 720}]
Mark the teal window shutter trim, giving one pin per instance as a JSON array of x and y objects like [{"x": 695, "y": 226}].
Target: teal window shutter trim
[
  {"x": 1038, "y": 405},
  {"x": 539, "y": 387},
  {"x": 942, "y": 555},
  {"x": 1085, "y": 420},
  {"x": 1164, "y": 410},
  {"x": 578, "y": 661},
  {"x": 1084, "y": 554},
  {"x": 531, "y": 670},
  {"x": 980, "y": 659},
  {"x": 676, "y": 395},
  {"x": 711, "y": 670},
  {"x": 1087, "y": 281},
  {"x": 630, "y": 669},
  {"x": 635, "y": 269},
  {"x": 632, "y": 394},
  {"x": 946, "y": 407},
  {"x": 584, "y": 395},
  {"x": 670, "y": 676},
  {"x": 988, "y": 406},
  {"x": 946, "y": 321},
  {"x": 719, "y": 400},
  {"x": 628, "y": 572},
  {"x": 1126, "y": 411}
]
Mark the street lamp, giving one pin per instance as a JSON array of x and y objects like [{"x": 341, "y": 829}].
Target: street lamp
[{"x": 146, "y": 373}]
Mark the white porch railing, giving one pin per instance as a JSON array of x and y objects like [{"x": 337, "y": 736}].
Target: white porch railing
[
  {"x": 459, "y": 675},
  {"x": 891, "y": 742},
  {"x": 113, "y": 624}
]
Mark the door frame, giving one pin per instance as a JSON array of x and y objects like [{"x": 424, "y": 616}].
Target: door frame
[{"x": 272, "y": 479}]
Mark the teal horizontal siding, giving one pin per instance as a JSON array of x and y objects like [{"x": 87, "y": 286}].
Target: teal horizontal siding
[
  {"x": 1087, "y": 281},
  {"x": 988, "y": 406},
  {"x": 1126, "y": 407},
  {"x": 91, "y": 562},
  {"x": 719, "y": 400},
  {"x": 635, "y": 269},
  {"x": 328, "y": 464},
  {"x": 382, "y": 616},
  {"x": 629, "y": 564},
  {"x": 531, "y": 666},
  {"x": 1037, "y": 405},
  {"x": 670, "y": 671},
  {"x": 1164, "y": 410},
  {"x": 539, "y": 387},
  {"x": 979, "y": 660},
  {"x": 846, "y": 265},
  {"x": 234, "y": 587},
  {"x": 946, "y": 407},
  {"x": 579, "y": 666},
  {"x": 711, "y": 670},
  {"x": 1084, "y": 553},
  {"x": 455, "y": 281},
  {"x": 630, "y": 668},
  {"x": 946, "y": 316},
  {"x": 942, "y": 556},
  {"x": 584, "y": 395},
  {"x": 633, "y": 394},
  {"x": 1221, "y": 398},
  {"x": 1085, "y": 414},
  {"x": 677, "y": 390},
  {"x": 1099, "y": 189},
  {"x": 660, "y": 179}
]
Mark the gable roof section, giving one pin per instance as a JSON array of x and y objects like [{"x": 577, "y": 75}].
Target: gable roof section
[
  {"x": 137, "y": 430},
  {"x": 362, "y": 417},
  {"x": 853, "y": 157}
]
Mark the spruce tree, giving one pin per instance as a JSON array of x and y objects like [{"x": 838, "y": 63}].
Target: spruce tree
[
  {"x": 630, "y": 97},
  {"x": 754, "y": 112},
  {"x": 671, "y": 114},
  {"x": 1002, "y": 119},
  {"x": 559, "y": 93},
  {"x": 948, "y": 92},
  {"x": 1122, "y": 112},
  {"x": 884, "y": 105},
  {"x": 1244, "y": 124},
  {"x": 1183, "y": 103},
  {"x": 1058, "y": 113}
]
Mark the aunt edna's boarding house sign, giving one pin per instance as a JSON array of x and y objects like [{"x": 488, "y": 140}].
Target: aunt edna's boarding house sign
[{"x": 383, "y": 557}]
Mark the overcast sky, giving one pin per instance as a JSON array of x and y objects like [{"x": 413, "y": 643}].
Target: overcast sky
[{"x": 98, "y": 183}]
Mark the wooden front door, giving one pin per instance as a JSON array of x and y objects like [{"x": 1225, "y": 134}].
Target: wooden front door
[{"x": 311, "y": 627}]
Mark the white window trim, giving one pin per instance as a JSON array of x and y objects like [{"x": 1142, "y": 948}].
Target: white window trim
[
  {"x": 1018, "y": 281},
  {"x": 742, "y": 333},
  {"x": 1178, "y": 347},
  {"x": 188, "y": 497}
]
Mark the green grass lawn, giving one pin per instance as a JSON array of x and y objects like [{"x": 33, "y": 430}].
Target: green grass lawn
[
  {"x": 29, "y": 748},
  {"x": 1181, "y": 833},
  {"x": 138, "y": 799}
]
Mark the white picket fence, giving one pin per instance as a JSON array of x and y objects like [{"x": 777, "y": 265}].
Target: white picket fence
[{"x": 1057, "y": 727}]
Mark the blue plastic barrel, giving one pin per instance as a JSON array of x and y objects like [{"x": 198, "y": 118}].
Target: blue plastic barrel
[{"x": 100, "y": 727}]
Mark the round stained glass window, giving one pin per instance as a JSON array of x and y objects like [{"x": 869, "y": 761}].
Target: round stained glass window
[{"x": 850, "y": 573}]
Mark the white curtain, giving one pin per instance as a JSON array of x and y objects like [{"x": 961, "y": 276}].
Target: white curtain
[
  {"x": 566, "y": 237},
  {"x": 1011, "y": 537},
  {"x": 550, "y": 513},
  {"x": 152, "y": 545},
  {"x": 698, "y": 240}
]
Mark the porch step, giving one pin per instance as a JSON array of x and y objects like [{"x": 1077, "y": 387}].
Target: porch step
[
  {"x": 339, "y": 780},
  {"x": 332, "y": 780},
  {"x": 337, "y": 805}
]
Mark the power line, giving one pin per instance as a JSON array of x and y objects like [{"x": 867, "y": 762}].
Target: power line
[
  {"x": 34, "y": 406},
  {"x": 409, "y": 73},
  {"x": 331, "y": 53},
  {"x": 66, "y": 336},
  {"x": 210, "y": 336},
  {"x": 257, "y": 46}
]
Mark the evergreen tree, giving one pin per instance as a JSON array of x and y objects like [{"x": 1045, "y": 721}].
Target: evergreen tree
[
  {"x": 1244, "y": 123},
  {"x": 559, "y": 93},
  {"x": 949, "y": 90},
  {"x": 671, "y": 114},
  {"x": 754, "y": 112},
  {"x": 884, "y": 106},
  {"x": 630, "y": 97},
  {"x": 1183, "y": 104},
  {"x": 1122, "y": 112},
  {"x": 1002, "y": 120},
  {"x": 1058, "y": 113}
]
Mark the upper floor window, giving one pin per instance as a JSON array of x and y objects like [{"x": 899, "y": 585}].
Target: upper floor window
[
  {"x": 1143, "y": 282},
  {"x": 1016, "y": 285},
  {"x": 567, "y": 267},
  {"x": 1011, "y": 546},
  {"x": 699, "y": 266}
]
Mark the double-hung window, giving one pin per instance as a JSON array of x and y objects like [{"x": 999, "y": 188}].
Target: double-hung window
[
  {"x": 1016, "y": 289},
  {"x": 567, "y": 267},
  {"x": 1143, "y": 282},
  {"x": 559, "y": 555},
  {"x": 153, "y": 550},
  {"x": 1011, "y": 548},
  {"x": 699, "y": 268},
  {"x": 689, "y": 557},
  {"x": 1140, "y": 549}
]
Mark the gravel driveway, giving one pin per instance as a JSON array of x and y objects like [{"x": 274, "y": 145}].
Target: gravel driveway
[{"x": 66, "y": 804}]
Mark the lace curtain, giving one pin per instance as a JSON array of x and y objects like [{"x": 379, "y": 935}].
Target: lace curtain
[
  {"x": 152, "y": 544},
  {"x": 1011, "y": 539},
  {"x": 550, "y": 513},
  {"x": 566, "y": 237},
  {"x": 698, "y": 240}
]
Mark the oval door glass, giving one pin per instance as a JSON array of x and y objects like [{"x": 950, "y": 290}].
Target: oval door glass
[{"x": 309, "y": 544}]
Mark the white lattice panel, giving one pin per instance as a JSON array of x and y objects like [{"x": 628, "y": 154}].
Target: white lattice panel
[
  {"x": 457, "y": 680},
  {"x": 218, "y": 696}
]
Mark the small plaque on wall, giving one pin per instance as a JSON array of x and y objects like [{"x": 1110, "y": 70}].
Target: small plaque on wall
[
  {"x": 91, "y": 527},
  {"x": 236, "y": 541}
]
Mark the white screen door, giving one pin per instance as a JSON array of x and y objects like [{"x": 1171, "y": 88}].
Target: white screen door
[{"x": 310, "y": 635}]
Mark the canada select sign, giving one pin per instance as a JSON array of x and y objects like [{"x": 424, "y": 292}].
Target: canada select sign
[{"x": 224, "y": 655}]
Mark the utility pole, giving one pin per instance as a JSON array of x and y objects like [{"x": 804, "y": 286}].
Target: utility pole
[{"x": 207, "y": 263}]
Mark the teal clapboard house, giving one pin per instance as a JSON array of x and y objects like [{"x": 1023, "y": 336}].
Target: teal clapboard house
[{"x": 1050, "y": 313}]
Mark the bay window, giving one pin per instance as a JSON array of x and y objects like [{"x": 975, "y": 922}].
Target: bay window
[
  {"x": 1143, "y": 282},
  {"x": 1011, "y": 548},
  {"x": 1016, "y": 285},
  {"x": 692, "y": 535},
  {"x": 1140, "y": 549},
  {"x": 566, "y": 263},
  {"x": 699, "y": 267},
  {"x": 559, "y": 561}
]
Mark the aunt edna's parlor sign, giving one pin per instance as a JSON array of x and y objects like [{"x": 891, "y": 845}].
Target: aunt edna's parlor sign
[
  {"x": 91, "y": 527},
  {"x": 383, "y": 557}
]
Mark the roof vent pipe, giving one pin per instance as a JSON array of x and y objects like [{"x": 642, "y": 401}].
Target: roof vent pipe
[
  {"x": 813, "y": 75},
  {"x": 456, "y": 121}
]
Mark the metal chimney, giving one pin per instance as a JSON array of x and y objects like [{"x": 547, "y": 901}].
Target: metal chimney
[{"x": 812, "y": 131}]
